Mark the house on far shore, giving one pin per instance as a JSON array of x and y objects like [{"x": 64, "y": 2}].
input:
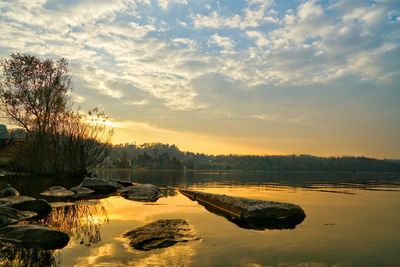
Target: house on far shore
[
  {"x": 12, "y": 135},
  {"x": 17, "y": 134},
  {"x": 4, "y": 134}
]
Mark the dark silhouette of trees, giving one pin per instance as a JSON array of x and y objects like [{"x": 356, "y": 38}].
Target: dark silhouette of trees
[
  {"x": 150, "y": 156},
  {"x": 35, "y": 94},
  {"x": 165, "y": 156}
]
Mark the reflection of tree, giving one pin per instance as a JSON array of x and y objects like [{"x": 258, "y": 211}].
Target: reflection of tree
[
  {"x": 12, "y": 255},
  {"x": 169, "y": 191},
  {"x": 80, "y": 220}
]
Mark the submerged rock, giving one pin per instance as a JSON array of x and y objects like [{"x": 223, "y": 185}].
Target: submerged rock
[
  {"x": 141, "y": 192},
  {"x": 100, "y": 186},
  {"x": 57, "y": 191},
  {"x": 161, "y": 234},
  {"x": 123, "y": 183},
  {"x": 23, "y": 203},
  {"x": 250, "y": 213},
  {"x": 8, "y": 191},
  {"x": 33, "y": 236},
  {"x": 81, "y": 191},
  {"x": 9, "y": 215}
]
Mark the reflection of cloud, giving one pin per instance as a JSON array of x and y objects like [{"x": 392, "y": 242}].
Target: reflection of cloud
[
  {"x": 95, "y": 253},
  {"x": 126, "y": 210},
  {"x": 178, "y": 255}
]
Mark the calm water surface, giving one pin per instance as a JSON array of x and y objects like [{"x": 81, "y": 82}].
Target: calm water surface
[{"x": 352, "y": 220}]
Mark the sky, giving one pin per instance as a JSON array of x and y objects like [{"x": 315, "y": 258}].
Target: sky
[{"x": 227, "y": 77}]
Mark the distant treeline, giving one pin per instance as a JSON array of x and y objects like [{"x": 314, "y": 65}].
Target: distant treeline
[{"x": 165, "y": 156}]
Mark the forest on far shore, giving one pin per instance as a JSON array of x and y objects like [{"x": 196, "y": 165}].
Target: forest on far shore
[{"x": 165, "y": 156}]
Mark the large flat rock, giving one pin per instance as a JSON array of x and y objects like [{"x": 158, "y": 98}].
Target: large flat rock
[
  {"x": 160, "y": 234},
  {"x": 10, "y": 215},
  {"x": 57, "y": 191},
  {"x": 141, "y": 192},
  {"x": 250, "y": 213},
  {"x": 24, "y": 203},
  {"x": 33, "y": 236},
  {"x": 81, "y": 191},
  {"x": 100, "y": 186},
  {"x": 122, "y": 182},
  {"x": 8, "y": 190}
]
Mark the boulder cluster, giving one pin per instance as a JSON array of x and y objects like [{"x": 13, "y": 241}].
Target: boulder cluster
[
  {"x": 246, "y": 213},
  {"x": 14, "y": 209},
  {"x": 98, "y": 187}
]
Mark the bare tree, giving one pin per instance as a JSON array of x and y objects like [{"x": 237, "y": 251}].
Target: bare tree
[
  {"x": 35, "y": 93},
  {"x": 82, "y": 140}
]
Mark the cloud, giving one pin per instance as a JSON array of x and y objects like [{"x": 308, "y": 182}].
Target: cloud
[
  {"x": 223, "y": 42},
  {"x": 259, "y": 38},
  {"x": 77, "y": 98},
  {"x": 164, "y": 4},
  {"x": 60, "y": 18},
  {"x": 137, "y": 103},
  {"x": 186, "y": 42},
  {"x": 248, "y": 68},
  {"x": 251, "y": 16}
]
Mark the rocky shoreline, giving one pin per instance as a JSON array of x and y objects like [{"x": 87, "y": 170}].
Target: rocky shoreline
[{"x": 246, "y": 213}]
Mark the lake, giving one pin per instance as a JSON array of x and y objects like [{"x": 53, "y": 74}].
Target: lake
[{"x": 351, "y": 220}]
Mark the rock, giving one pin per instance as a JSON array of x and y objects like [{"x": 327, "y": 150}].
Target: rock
[
  {"x": 57, "y": 191},
  {"x": 81, "y": 191},
  {"x": 250, "y": 213},
  {"x": 161, "y": 234},
  {"x": 8, "y": 190},
  {"x": 33, "y": 236},
  {"x": 9, "y": 215},
  {"x": 123, "y": 183},
  {"x": 12, "y": 199},
  {"x": 141, "y": 192},
  {"x": 100, "y": 186},
  {"x": 40, "y": 206}
]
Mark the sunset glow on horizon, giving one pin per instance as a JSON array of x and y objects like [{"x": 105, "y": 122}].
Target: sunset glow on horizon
[{"x": 227, "y": 77}]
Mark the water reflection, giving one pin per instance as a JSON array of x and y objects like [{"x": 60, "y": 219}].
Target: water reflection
[
  {"x": 308, "y": 180},
  {"x": 116, "y": 255},
  {"x": 33, "y": 185},
  {"x": 81, "y": 220},
  {"x": 352, "y": 220},
  {"x": 12, "y": 255},
  {"x": 169, "y": 191}
]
